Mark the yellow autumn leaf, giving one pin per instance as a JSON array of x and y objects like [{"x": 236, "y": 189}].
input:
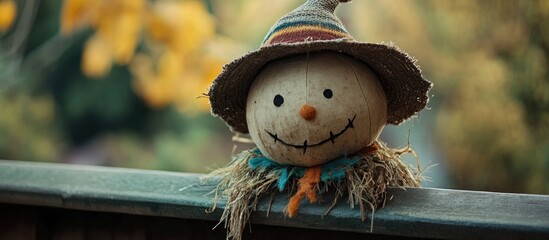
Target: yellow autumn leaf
[
  {"x": 158, "y": 28},
  {"x": 168, "y": 79},
  {"x": 177, "y": 66},
  {"x": 132, "y": 5},
  {"x": 155, "y": 95},
  {"x": 120, "y": 25},
  {"x": 142, "y": 69},
  {"x": 76, "y": 14},
  {"x": 196, "y": 21},
  {"x": 169, "y": 65},
  {"x": 97, "y": 58},
  {"x": 181, "y": 25},
  {"x": 156, "y": 88},
  {"x": 8, "y": 11},
  {"x": 198, "y": 77},
  {"x": 128, "y": 26}
]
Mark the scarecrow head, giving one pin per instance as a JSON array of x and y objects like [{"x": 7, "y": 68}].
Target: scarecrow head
[{"x": 311, "y": 93}]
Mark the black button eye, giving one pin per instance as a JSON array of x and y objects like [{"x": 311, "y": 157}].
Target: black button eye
[
  {"x": 278, "y": 100},
  {"x": 328, "y": 93}
]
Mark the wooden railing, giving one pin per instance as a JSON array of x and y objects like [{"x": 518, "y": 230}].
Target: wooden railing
[{"x": 57, "y": 201}]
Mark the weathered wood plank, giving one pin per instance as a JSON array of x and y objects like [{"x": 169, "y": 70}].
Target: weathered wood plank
[
  {"x": 61, "y": 224},
  {"x": 428, "y": 213}
]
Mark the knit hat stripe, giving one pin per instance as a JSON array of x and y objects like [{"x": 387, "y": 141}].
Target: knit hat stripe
[
  {"x": 304, "y": 24},
  {"x": 305, "y": 33}
]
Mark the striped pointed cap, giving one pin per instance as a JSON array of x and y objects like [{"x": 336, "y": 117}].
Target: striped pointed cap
[
  {"x": 313, "y": 21},
  {"x": 313, "y": 27}
]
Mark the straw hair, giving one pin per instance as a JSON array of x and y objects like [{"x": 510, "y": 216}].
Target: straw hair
[{"x": 365, "y": 185}]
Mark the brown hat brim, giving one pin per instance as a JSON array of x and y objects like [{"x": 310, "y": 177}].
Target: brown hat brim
[{"x": 405, "y": 88}]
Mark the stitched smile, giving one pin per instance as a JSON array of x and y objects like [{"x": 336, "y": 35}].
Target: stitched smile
[{"x": 306, "y": 145}]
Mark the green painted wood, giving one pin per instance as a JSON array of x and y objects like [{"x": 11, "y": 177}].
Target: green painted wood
[{"x": 427, "y": 213}]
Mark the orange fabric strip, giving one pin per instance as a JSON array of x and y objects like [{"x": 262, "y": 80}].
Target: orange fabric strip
[{"x": 306, "y": 187}]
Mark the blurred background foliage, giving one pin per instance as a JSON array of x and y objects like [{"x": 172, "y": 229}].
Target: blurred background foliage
[{"x": 119, "y": 82}]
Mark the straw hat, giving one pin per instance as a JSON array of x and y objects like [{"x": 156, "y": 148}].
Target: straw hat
[{"x": 313, "y": 27}]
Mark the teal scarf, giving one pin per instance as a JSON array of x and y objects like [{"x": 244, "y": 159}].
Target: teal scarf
[{"x": 331, "y": 171}]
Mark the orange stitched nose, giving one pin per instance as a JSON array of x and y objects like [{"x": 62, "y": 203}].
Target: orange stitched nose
[{"x": 307, "y": 112}]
